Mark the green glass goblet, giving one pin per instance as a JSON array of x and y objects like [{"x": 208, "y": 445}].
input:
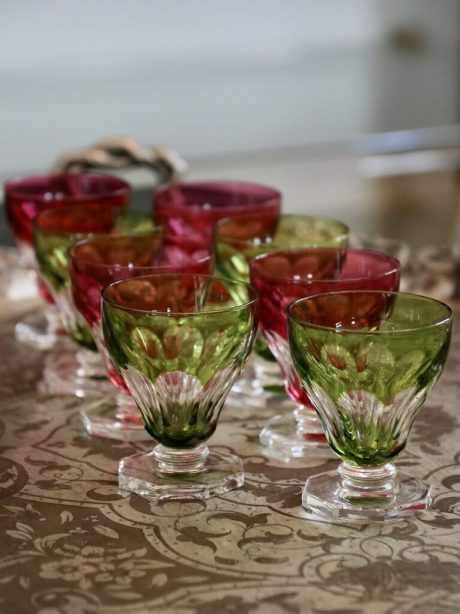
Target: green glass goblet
[
  {"x": 367, "y": 360},
  {"x": 239, "y": 239},
  {"x": 75, "y": 368},
  {"x": 179, "y": 341}
]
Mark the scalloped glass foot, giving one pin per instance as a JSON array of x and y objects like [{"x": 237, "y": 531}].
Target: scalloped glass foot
[
  {"x": 64, "y": 374},
  {"x": 40, "y": 330},
  {"x": 286, "y": 441},
  {"x": 149, "y": 476},
  {"x": 323, "y": 500},
  {"x": 114, "y": 417}
]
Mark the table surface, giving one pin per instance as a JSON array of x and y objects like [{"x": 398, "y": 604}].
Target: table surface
[{"x": 70, "y": 543}]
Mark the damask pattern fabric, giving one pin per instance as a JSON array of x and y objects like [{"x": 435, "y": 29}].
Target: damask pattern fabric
[{"x": 70, "y": 543}]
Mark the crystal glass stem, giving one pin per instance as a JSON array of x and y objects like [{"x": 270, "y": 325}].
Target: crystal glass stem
[
  {"x": 366, "y": 483},
  {"x": 171, "y": 460}
]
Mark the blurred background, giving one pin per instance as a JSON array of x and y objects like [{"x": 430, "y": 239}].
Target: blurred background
[{"x": 350, "y": 107}]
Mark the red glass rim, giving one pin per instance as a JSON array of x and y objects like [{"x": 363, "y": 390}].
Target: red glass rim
[
  {"x": 187, "y": 194},
  {"x": 68, "y": 220},
  {"x": 272, "y": 224},
  {"x": 259, "y": 266},
  {"x": 112, "y": 241},
  {"x": 187, "y": 281},
  {"x": 43, "y": 188},
  {"x": 386, "y": 296}
]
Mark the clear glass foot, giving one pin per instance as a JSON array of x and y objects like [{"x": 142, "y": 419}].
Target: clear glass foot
[
  {"x": 114, "y": 417},
  {"x": 166, "y": 473},
  {"x": 40, "y": 330},
  {"x": 297, "y": 434},
  {"x": 79, "y": 374},
  {"x": 355, "y": 495}
]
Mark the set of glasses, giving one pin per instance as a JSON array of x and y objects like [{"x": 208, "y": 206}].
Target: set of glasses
[{"x": 153, "y": 322}]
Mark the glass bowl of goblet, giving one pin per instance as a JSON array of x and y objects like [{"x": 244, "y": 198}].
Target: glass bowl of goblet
[
  {"x": 190, "y": 209},
  {"x": 101, "y": 260},
  {"x": 367, "y": 360},
  {"x": 179, "y": 342},
  {"x": 241, "y": 238},
  {"x": 74, "y": 368},
  {"x": 26, "y": 197},
  {"x": 283, "y": 276}
]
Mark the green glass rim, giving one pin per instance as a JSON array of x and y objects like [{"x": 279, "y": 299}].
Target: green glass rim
[
  {"x": 256, "y": 242},
  {"x": 351, "y": 331},
  {"x": 395, "y": 269},
  {"x": 153, "y": 233},
  {"x": 252, "y": 292},
  {"x": 126, "y": 235}
]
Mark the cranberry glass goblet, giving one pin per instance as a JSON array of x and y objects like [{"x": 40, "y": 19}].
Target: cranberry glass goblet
[
  {"x": 367, "y": 361},
  {"x": 240, "y": 239},
  {"x": 281, "y": 277},
  {"x": 28, "y": 196},
  {"x": 100, "y": 261},
  {"x": 191, "y": 209},
  {"x": 179, "y": 342},
  {"x": 78, "y": 373}
]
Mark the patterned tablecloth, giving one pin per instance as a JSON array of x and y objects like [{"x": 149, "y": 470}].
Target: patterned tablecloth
[{"x": 70, "y": 543}]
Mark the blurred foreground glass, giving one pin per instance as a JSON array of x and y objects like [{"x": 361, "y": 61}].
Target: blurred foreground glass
[
  {"x": 281, "y": 277},
  {"x": 67, "y": 371},
  {"x": 240, "y": 239},
  {"x": 98, "y": 262},
  {"x": 179, "y": 342},
  {"x": 191, "y": 209},
  {"x": 28, "y": 196},
  {"x": 367, "y": 361}
]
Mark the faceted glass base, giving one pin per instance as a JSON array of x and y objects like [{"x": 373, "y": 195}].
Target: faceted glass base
[
  {"x": 180, "y": 474},
  {"x": 289, "y": 438},
  {"x": 64, "y": 373},
  {"x": 40, "y": 330},
  {"x": 114, "y": 417},
  {"x": 328, "y": 497}
]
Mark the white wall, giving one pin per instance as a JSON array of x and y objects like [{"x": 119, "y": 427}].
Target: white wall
[{"x": 209, "y": 76}]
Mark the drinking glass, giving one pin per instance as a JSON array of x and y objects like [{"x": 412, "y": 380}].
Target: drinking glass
[
  {"x": 241, "y": 238},
  {"x": 24, "y": 199},
  {"x": 191, "y": 209},
  {"x": 367, "y": 361},
  {"x": 283, "y": 276},
  {"x": 179, "y": 342},
  {"x": 80, "y": 373},
  {"x": 101, "y": 260}
]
